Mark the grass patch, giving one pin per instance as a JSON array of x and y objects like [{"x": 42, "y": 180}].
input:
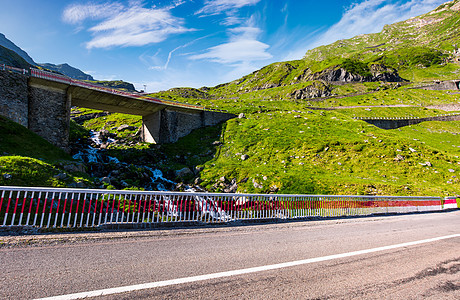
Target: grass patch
[
  {"x": 18, "y": 140},
  {"x": 26, "y": 171}
]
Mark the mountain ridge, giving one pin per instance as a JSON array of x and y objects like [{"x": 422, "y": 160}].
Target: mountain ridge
[{"x": 64, "y": 68}]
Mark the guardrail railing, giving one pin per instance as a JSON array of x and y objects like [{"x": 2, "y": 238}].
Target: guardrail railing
[{"x": 72, "y": 208}]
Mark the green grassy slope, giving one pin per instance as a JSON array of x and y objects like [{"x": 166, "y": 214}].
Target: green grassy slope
[
  {"x": 316, "y": 146},
  {"x": 284, "y": 146},
  {"x": 26, "y": 159},
  {"x": 12, "y": 59}
]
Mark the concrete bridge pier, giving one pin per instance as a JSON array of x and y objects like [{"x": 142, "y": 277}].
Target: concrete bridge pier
[
  {"x": 43, "y": 106},
  {"x": 167, "y": 125},
  {"x": 49, "y": 112}
]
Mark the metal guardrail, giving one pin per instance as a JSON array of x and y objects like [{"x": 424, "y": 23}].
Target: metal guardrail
[
  {"x": 67, "y": 80},
  {"x": 73, "y": 208}
]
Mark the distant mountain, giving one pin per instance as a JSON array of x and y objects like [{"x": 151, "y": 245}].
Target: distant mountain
[
  {"x": 117, "y": 84},
  {"x": 10, "y": 45},
  {"x": 416, "y": 50},
  {"x": 11, "y": 58},
  {"x": 68, "y": 71},
  {"x": 6, "y": 57},
  {"x": 437, "y": 30}
]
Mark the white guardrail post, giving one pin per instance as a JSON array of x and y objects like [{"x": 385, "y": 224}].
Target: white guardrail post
[{"x": 73, "y": 208}]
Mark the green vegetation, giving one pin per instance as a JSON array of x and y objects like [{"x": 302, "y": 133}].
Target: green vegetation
[
  {"x": 10, "y": 58},
  {"x": 117, "y": 84},
  {"x": 18, "y": 140},
  {"x": 356, "y": 67},
  {"x": 26, "y": 171},
  {"x": 287, "y": 145},
  {"x": 309, "y": 145}
]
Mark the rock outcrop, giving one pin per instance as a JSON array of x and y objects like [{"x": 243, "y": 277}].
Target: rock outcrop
[
  {"x": 377, "y": 72},
  {"x": 317, "y": 90}
]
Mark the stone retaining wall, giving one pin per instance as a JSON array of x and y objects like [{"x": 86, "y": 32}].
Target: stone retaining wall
[
  {"x": 49, "y": 115},
  {"x": 14, "y": 103},
  {"x": 397, "y": 123},
  {"x": 443, "y": 85},
  {"x": 167, "y": 126}
]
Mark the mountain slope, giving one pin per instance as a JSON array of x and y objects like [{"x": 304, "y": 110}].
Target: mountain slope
[
  {"x": 68, "y": 71},
  {"x": 300, "y": 132},
  {"x": 11, "y": 58},
  {"x": 438, "y": 29},
  {"x": 5, "y": 42},
  {"x": 415, "y": 50}
]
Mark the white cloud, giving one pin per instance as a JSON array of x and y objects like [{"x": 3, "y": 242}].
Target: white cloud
[
  {"x": 371, "y": 15},
  {"x": 243, "y": 47},
  {"x": 77, "y": 13},
  {"x": 213, "y": 7},
  {"x": 126, "y": 26},
  {"x": 165, "y": 66}
]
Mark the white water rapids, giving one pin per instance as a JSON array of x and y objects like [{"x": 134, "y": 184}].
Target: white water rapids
[{"x": 203, "y": 205}]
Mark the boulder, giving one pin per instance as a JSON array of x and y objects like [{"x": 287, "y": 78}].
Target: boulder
[
  {"x": 316, "y": 90},
  {"x": 184, "y": 172},
  {"x": 125, "y": 127},
  {"x": 105, "y": 180}
]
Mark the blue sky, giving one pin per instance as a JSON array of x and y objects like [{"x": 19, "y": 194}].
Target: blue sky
[{"x": 194, "y": 43}]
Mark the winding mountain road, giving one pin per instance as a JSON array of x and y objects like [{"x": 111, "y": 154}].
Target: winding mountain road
[{"x": 399, "y": 257}]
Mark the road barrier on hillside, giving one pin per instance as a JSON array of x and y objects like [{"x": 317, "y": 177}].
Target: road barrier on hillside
[{"x": 74, "y": 208}]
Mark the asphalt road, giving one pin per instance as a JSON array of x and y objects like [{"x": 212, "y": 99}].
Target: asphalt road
[{"x": 45, "y": 266}]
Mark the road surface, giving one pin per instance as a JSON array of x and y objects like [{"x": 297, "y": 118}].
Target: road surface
[{"x": 399, "y": 257}]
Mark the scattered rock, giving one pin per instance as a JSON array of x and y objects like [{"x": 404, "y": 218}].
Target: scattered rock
[
  {"x": 125, "y": 127},
  {"x": 317, "y": 90},
  {"x": 73, "y": 167},
  {"x": 412, "y": 150},
  {"x": 231, "y": 188},
  {"x": 217, "y": 143},
  {"x": 399, "y": 157},
  {"x": 244, "y": 157},
  {"x": 61, "y": 176},
  {"x": 274, "y": 189},
  {"x": 81, "y": 185},
  {"x": 105, "y": 180},
  {"x": 452, "y": 170},
  {"x": 241, "y": 116},
  {"x": 184, "y": 172},
  {"x": 244, "y": 180},
  {"x": 7, "y": 176},
  {"x": 257, "y": 185}
]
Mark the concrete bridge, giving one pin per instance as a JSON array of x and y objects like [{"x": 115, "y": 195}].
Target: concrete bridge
[{"x": 41, "y": 101}]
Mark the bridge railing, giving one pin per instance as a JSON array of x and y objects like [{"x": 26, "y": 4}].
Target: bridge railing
[
  {"x": 72, "y": 208},
  {"x": 67, "y": 80},
  {"x": 4, "y": 67}
]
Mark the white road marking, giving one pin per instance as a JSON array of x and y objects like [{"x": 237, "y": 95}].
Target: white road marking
[{"x": 151, "y": 285}]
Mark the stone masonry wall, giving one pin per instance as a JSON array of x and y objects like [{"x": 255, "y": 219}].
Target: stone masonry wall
[
  {"x": 393, "y": 124},
  {"x": 443, "y": 85},
  {"x": 13, "y": 97},
  {"x": 49, "y": 115},
  {"x": 177, "y": 124}
]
